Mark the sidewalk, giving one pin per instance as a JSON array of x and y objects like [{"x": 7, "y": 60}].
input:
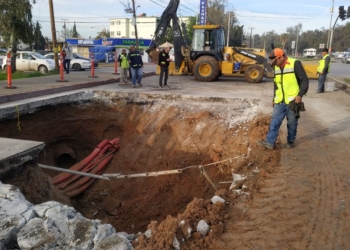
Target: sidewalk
[{"x": 39, "y": 86}]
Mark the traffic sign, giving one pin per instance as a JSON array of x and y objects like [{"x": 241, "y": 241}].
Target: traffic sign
[{"x": 321, "y": 46}]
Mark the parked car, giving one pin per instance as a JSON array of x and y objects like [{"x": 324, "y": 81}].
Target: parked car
[
  {"x": 346, "y": 58},
  {"x": 32, "y": 61},
  {"x": 78, "y": 56},
  {"x": 75, "y": 64},
  {"x": 341, "y": 55},
  {"x": 3, "y": 54}
]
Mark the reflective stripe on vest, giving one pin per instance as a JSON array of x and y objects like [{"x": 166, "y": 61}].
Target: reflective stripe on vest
[
  {"x": 286, "y": 82},
  {"x": 322, "y": 63}
]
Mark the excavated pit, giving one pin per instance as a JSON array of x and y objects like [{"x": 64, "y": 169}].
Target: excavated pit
[{"x": 157, "y": 133}]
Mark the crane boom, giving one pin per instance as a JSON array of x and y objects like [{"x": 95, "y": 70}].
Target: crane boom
[{"x": 164, "y": 22}]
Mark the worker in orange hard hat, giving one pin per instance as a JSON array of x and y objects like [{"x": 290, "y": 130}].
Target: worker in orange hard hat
[{"x": 290, "y": 85}]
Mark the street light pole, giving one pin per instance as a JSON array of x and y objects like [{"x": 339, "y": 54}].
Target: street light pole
[
  {"x": 296, "y": 43},
  {"x": 134, "y": 20},
  {"x": 330, "y": 26}
]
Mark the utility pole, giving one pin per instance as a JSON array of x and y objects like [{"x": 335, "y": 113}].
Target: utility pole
[
  {"x": 134, "y": 21},
  {"x": 53, "y": 31},
  {"x": 330, "y": 25},
  {"x": 250, "y": 40}
]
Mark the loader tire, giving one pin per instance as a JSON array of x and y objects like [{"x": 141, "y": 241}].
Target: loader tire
[
  {"x": 206, "y": 69},
  {"x": 254, "y": 73}
]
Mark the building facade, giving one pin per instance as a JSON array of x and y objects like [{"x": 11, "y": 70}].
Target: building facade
[{"x": 146, "y": 26}]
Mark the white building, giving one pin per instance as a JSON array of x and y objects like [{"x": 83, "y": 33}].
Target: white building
[{"x": 146, "y": 26}]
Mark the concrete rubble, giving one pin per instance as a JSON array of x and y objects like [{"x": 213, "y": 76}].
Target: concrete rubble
[
  {"x": 203, "y": 228},
  {"x": 52, "y": 225}
]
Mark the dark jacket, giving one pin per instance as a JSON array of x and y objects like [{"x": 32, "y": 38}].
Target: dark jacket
[
  {"x": 163, "y": 56},
  {"x": 135, "y": 58}
]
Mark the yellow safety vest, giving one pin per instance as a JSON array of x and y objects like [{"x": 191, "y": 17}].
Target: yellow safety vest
[
  {"x": 287, "y": 84},
  {"x": 322, "y": 63},
  {"x": 124, "y": 62}
]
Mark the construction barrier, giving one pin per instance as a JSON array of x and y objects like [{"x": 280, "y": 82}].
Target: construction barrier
[
  {"x": 92, "y": 66},
  {"x": 9, "y": 72},
  {"x": 61, "y": 69}
]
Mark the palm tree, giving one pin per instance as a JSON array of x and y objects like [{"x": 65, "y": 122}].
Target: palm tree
[{"x": 284, "y": 38}]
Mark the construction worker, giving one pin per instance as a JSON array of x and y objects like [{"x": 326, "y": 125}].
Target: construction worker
[
  {"x": 163, "y": 62},
  {"x": 124, "y": 65},
  {"x": 323, "y": 70},
  {"x": 290, "y": 85},
  {"x": 136, "y": 65}
]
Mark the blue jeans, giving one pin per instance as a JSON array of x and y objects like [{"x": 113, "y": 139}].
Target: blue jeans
[
  {"x": 134, "y": 72},
  {"x": 321, "y": 81},
  {"x": 66, "y": 65},
  {"x": 280, "y": 111}
]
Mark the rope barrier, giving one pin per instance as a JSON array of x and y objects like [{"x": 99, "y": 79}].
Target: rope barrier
[{"x": 166, "y": 172}]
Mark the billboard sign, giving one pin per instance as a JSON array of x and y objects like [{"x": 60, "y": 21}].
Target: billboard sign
[{"x": 203, "y": 12}]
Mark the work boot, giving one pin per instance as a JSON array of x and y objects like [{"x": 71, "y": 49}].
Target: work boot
[
  {"x": 265, "y": 144},
  {"x": 290, "y": 145}
]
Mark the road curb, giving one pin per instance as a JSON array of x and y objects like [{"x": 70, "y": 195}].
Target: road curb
[{"x": 36, "y": 93}]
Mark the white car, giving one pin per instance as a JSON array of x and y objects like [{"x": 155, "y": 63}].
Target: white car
[
  {"x": 346, "y": 58},
  {"x": 32, "y": 61},
  {"x": 75, "y": 64},
  {"x": 3, "y": 55}
]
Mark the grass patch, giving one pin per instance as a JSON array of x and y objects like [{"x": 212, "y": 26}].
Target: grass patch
[
  {"x": 347, "y": 80},
  {"x": 20, "y": 74}
]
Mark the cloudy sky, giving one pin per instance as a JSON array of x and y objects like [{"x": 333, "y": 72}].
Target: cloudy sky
[{"x": 261, "y": 15}]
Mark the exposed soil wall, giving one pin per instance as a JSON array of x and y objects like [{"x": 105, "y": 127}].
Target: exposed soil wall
[{"x": 156, "y": 135}]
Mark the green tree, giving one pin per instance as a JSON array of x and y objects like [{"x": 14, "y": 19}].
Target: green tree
[
  {"x": 16, "y": 24},
  {"x": 189, "y": 28},
  {"x": 39, "y": 40},
  {"x": 75, "y": 34},
  {"x": 103, "y": 34},
  {"x": 283, "y": 39}
]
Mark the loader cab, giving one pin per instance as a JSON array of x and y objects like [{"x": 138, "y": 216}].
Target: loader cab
[{"x": 207, "y": 40}]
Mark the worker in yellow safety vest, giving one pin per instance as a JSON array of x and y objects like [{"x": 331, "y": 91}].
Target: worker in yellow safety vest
[
  {"x": 290, "y": 85},
  {"x": 323, "y": 70}
]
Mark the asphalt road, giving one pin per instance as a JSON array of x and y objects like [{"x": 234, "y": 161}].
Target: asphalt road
[
  {"x": 340, "y": 69},
  {"x": 337, "y": 69}
]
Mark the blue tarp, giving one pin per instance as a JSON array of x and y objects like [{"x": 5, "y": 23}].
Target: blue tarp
[{"x": 100, "y": 52}]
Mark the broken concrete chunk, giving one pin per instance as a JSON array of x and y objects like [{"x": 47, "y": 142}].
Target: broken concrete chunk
[
  {"x": 176, "y": 244},
  {"x": 10, "y": 226},
  {"x": 41, "y": 209},
  {"x": 113, "y": 242},
  {"x": 148, "y": 233},
  {"x": 203, "y": 228},
  {"x": 12, "y": 202},
  {"x": 216, "y": 199},
  {"x": 189, "y": 231},
  {"x": 34, "y": 236},
  {"x": 126, "y": 235},
  {"x": 84, "y": 231},
  {"x": 53, "y": 226},
  {"x": 103, "y": 231},
  {"x": 182, "y": 223}
]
